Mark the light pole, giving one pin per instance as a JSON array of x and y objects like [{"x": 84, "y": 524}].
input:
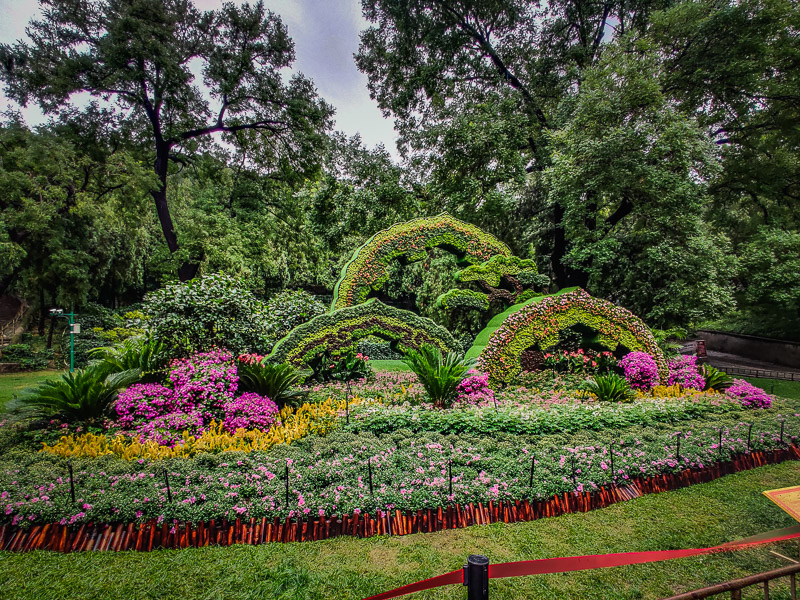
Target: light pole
[{"x": 73, "y": 329}]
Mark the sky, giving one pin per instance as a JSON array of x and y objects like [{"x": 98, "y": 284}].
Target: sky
[{"x": 325, "y": 33}]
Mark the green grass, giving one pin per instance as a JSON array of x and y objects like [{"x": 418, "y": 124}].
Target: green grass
[
  {"x": 389, "y": 365},
  {"x": 785, "y": 389},
  {"x": 14, "y": 383},
  {"x": 702, "y": 515}
]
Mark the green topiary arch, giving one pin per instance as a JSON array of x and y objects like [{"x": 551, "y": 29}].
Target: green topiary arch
[
  {"x": 338, "y": 331},
  {"x": 367, "y": 269},
  {"x": 540, "y": 320}
]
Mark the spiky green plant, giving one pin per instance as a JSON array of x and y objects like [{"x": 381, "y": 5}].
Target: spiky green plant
[
  {"x": 716, "y": 379},
  {"x": 144, "y": 355},
  {"x": 275, "y": 381},
  {"x": 83, "y": 396},
  {"x": 610, "y": 388},
  {"x": 439, "y": 374}
]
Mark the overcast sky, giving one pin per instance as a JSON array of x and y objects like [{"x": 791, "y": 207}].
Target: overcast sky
[{"x": 325, "y": 33}]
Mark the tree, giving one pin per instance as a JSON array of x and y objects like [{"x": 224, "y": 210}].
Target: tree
[
  {"x": 139, "y": 56},
  {"x": 476, "y": 87}
]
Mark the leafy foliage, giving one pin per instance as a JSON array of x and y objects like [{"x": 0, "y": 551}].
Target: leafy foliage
[
  {"x": 439, "y": 374},
  {"x": 144, "y": 356},
  {"x": 213, "y": 310},
  {"x": 714, "y": 379},
  {"x": 84, "y": 395},
  {"x": 290, "y": 308},
  {"x": 272, "y": 380},
  {"x": 610, "y": 388}
]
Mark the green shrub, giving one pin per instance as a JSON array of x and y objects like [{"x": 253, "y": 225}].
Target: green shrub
[
  {"x": 83, "y": 396},
  {"x": 275, "y": 381},
  {"x": 716, "y": 379},
  {"x": 439, "y": 374},
  {"x": 610, "y": 388},
  {"x": 289, "y": 309},
  {"x": 213, "y": 310},
  {"x": 27, "y": 356},
  {"x": 144, "y": 355}
]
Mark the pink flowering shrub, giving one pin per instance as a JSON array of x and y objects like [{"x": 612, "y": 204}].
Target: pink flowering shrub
[
  {"x": 167, "y": 430},
  {"x": 683, "y": 371},
  {"x": 749, "y": 395},
  {"x": 206, "y": 380},
  {"x": 640, "y": 370},
  {"x": 250, "y": 411},
  {"x": 143, "y": 401},
  {"x": 474, "y": 389}
]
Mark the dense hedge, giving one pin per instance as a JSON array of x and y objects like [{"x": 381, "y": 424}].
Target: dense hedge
[
  {"x": 367, "y": 269},
  {"x": 539, "y": 323},
  {"x": 340, "y": 330}
]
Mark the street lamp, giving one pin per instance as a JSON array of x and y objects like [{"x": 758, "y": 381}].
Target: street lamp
[{"x": 73, "y": 329}]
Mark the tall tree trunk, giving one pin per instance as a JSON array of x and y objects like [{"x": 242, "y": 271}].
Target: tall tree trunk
[
  {"x": 188, "y": 269},
  {"x": 565, "y": 275},
  {"x": 42, "y": 312}
]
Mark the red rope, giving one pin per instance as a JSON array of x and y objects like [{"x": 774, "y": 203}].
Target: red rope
[{"x": 594, "y": 561}]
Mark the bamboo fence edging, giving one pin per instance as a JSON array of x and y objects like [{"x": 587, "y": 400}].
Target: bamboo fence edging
[{"x": 148, "y": 536}]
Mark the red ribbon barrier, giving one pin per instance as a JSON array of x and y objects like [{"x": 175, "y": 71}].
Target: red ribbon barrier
[{"x": 595, "y": 561}]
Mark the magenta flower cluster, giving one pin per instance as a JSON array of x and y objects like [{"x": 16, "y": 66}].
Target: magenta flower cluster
[
  {"x": 250, "y": 411},
  {"x": 683, "y": 371},
  {"x": 749, "y": 395},
  {"x": 204, "y": 388},
  {"x": 474, "y": 389},
  {"x": 641, "y": 370}
]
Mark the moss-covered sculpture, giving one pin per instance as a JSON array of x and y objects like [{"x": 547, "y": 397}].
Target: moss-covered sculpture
[
  {"x": 409, "y": 242},
  {"x": 539, "y": 322},
  {"x": 339, "y": 331},
  {"x": 501, "y": 278}
]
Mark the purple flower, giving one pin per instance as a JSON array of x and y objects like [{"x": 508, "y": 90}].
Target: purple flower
[
  {"x": 641, "y": 370},
  {"x": 749, "y": 395}
]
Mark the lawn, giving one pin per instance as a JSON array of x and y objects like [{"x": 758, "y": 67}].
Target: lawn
[
  {"x": 13, "y": 383},
  {"x": 702, "y": 515},
  {"x": 785, "y": 389}
]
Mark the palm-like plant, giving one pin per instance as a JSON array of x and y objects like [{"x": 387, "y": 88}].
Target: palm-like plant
[
  {"x": 82, "y": 396},
  {"x": 439, "y": 374},
  {"x": 143, "y": 355},
  {"x": 275, "y": 381},
  {"x": 716, "y": 379},
  {"x": 610, "y": 388}
]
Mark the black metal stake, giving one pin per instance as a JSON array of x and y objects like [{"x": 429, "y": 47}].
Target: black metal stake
[
  {"x": 347, "y": 402},
  {"x": 720, "y": 444},
  {"x": 166, "y": 481},
  {"x": 611, "y": 452},
  {"x": 574, "y": 478},
  {"x": 71, "y": 481},
  {"x": 476, "y": 577},
  {"x": 450, "y": 475},
  {"x": 287, "y": 486},
  {"x": 369, "y": 471},
  {"x": 678, "y": 448},
  {"x": 533, "y": 466},
  {"x": 782, "y": 423},
  {"x": 749, "y": 431}
]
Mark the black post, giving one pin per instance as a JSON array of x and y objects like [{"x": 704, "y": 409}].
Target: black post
[
  {"x": 450, "y": 475},
  {"x": 347, "y": 403},
  {"x": 476, "y": 577},
  {"x": 71, "y": 481},
  {"x": 369, "y": 471},
  {"x": 166, "y": 481},
  {"x": 720, "y": 444},
  {"x": 611, "y": 452},
  {"x": 678, "y": 448},
  {"x": 782, "y": 423},
  {"x": 533, "y": 466},
  {"x": 287, "y": 486},
  {"x": 574, "y": 479},
  {"x": 749, "y": 431}
]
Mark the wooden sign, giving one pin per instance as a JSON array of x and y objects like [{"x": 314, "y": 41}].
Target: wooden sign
[{"x": 787, "y": 498}]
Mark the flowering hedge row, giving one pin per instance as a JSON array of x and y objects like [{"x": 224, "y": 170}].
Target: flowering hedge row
[
  {"x": 540, "y": 323},
  {"x": 493, "y": 270},
  {"x": 464, "y": 299},
  {"x": 330, "y": 476},
  {"x": 340, "y": 330},
  {"x": 310, "y": 418},
  {"x": 367, "y": 269}
]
